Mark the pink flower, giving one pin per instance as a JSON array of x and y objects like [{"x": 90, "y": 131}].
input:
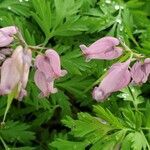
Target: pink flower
[
  {"x": 48, "y": 69},
  {"x": 45, "y": 86},
  {"x": 6, "y": 35},
  {"x": 104, "y": 48},
  {"x": 140, "y": 71},
  {"x": 49, "y": 64},
  {"x": 117, "y": 78},
  {"x": 15, "y": 71}
]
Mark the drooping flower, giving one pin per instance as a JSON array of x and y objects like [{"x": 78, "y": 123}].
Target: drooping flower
[
  {"x": 48, "y": 69},
  {"x": 15, "y": 71},
  {"x": 43, "y": 84},
  {"x": 140, "y": 71},
  {"x": 6, "y": 35},
  {"x": 117, "y": 78},
  {"x": 105, "y": 48}
]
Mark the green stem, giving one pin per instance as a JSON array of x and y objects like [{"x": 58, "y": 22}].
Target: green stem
[
  {"x": 46, "y": 41},
  {"x": 145, "y": 128},
  {"x": 95, "y": 83},
  {"x": 48, "y": 37},
  {"x": 9, "y": 101},
  {"x": 4, "y": 144},
  {"x": 134, "y": 99},
  {"x": 129, "y": 50}
]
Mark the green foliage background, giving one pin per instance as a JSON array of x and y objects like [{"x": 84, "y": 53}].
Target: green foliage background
[{"x": 71, "y": 119}]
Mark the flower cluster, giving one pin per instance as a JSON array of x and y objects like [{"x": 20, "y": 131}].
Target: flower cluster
[
  {"x": 119, "y": 75},
  {"x": 15, "y": 69}
]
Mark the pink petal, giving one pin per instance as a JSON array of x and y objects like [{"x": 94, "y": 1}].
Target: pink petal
[
  {"x": 10, "y": 76},
  {"x": 117, "y": 78},
  {"x": 137, "y": 73},
  {"x": 54, "y": 61},
  {"x": 103, "y": 48},
  {"x": 5, "y": 40},
  {"x": 147, "y": 66},
  {"x": 27, "y": 58},
  {"x": 17, "y": 56},
  {"x": 10, "y": 30},
  {"x": 43, "y": 84},
  {"x": 43, "y": 65},
  {"x": 6, "y": 35},
  {"x": 140, "y": 71}
]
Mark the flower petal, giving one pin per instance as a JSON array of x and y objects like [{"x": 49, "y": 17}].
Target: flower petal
[
  {"x": 10, "y": 30},
  {"x": 6, "y": 35},
  {"x": 5, "y": 40},
  {"x": 43, "y": 84},
  {"x": 10, "y": 76},
  {"x": 43, "y": 65},
  {"x": 104, "y": 48},
  {"x": 54, "y": 61},
  {"x": 117, "y": 78}
]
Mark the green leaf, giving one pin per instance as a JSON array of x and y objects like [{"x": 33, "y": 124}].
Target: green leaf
[
  {"x": 61, "y": 100},
  {"x": 16, "y": 131},
  {"x": 22, "y": 148},
  {"x": 42, "y": 15},
  {"x": 132, "y": 94},
  {"x": 138, "y": 141},
  {"x": 74, "y": 63},
  {"x": 16, "y": 7},
  {"x": 133, "y": 119},
  {"x": 61, "y": 144},
  {"x": 107, "y": 116},
  {"x": 96, "y": 128}
]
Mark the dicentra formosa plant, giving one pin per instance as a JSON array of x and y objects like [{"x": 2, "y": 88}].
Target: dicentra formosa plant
[{"x": 48, "y": 66}]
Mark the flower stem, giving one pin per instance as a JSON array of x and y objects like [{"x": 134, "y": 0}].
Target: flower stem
[
  {"x": 9, "y": 101},
  {"x": 95, "y": 83},
  {"x": 4, "y": 144},
  {"x": 134, "y": 99}
]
